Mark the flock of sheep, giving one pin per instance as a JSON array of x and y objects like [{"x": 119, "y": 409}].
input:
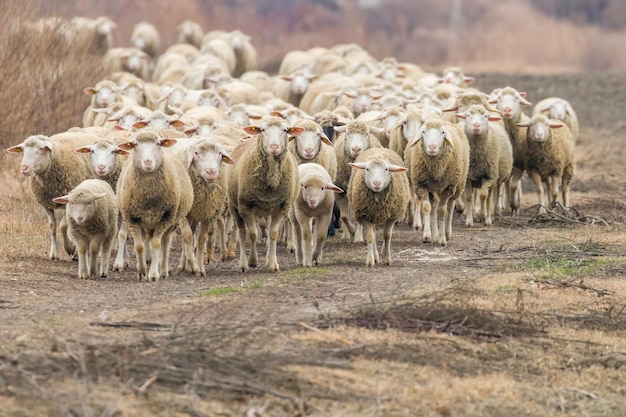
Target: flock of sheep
[{"x": 197, "y": 141}]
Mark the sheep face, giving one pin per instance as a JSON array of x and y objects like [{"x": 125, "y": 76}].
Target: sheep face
[
  {"x": 509, "y": 102},
  {"x": 390, "y": 120},
  {"x": 309, "y": 143},
  {"x": 134, "y": 91},
  {"x": 558, "y": 110},
  {"x": 299, "y": 82},
  {"x": 411, "y": 124},
  {"x": 102, "y": 156},
  {"x": 377, "y": 173},
  {"x": 126, "y": 120},
  {"x": 313, "y": 190},
  {"x": 80, "y": 205},
  {"x": 148, "y": 150},
  {"x": 477, "y": 119},
  {"x": 104, "y": 94},
  {"x": 363, "y": 100},
  {"x": 539, "y": 128},
  {"x": 433, "y": 138},
  {"x": 205, "y": 159},
  {"x": 274, "y": 135},
  {"x": 37, "y": 152},
  {"x": 174, "y": 96}
]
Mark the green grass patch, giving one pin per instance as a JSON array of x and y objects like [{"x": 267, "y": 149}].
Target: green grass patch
[
  {"x": 218, "y": 291},
  {"x": 561, "y": 267},
  {"x": 304, "y": 271}
]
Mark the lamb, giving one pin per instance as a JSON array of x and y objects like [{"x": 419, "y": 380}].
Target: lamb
[
  {"x": 146, "y": 37},
  {"x": 508, "y": 102},
  {"x": 315, "y": 203},
  {"x": 262, "y": 183},
  {"x": 354, "y": 139},
  {"x": 54, "y": 169},
  {"x": 378, "y": 196},
  {"x": 309, "y": 147},
  {"x": 190, "y": 32},
  {"x": 559, "y": 109},
  {"x": 154, "y": 195},
  {"x": 244, "y": 52},
  {"x": 203, "y": 158},
  {"x": 132, "y": 60},
  {"x": 549, "y": 157},
  {"x": 491, "y": 161},
  {"x": 91, "y": 216},
  {"x": 438, "y": 170}
]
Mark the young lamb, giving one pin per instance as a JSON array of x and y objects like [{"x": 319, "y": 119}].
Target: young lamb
[
  {"x": 54, "y": 169},
  {"x": 378, "y": 194},
  {"x": 92, "y": 217},
  {"x": 203, "y": 158},
  {"x": 263, "y": 183},
  {"x": 314, "y": 203},
  {"x": 438, "y": 171},
  {"x": 491, "y": 161},
  {"x": 559, "y": 109},
  {"x": 354, "y": 139},
  {"x": 154, "y": 195},
  {"x": 549, "y": 157}
]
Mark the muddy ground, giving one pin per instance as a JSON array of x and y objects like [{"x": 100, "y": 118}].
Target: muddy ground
[{"x": 523, "y": 318}]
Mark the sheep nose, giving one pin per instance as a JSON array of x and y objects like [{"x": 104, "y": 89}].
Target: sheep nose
[
  {"x": 377, "y": 184},
  {"x": 79, "y": 219},
  {"x": 25, "y": 169},
  {"x": 356, "y": 150},
  {"x": 274, "y": 147},
  {"x": 312, "y": 203},
  {"x": 432, "y": 148}
]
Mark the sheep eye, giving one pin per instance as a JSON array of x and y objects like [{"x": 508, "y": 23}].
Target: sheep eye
[{"x": 323, "y": 188}]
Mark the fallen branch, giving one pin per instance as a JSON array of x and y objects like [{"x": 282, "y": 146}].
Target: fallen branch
[{"x": 134, "y": 325}]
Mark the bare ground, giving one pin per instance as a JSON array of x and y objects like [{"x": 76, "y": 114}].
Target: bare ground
[{"x": 523, "y": 318}]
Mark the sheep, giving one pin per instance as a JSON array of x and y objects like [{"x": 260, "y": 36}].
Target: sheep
[
  {"x": 190, "y": 32},
  {"x": 170, "y": 67},
  {"x": 359, "y": 100},
  {"x": 508, "y": 103},
  {"x": 314, "y": 202},
  {"x": 134, "y": 89},
  {"x": 132, "y": 60},
  {"x": 154, "y": 195},
  {"x": 91, "y": 216},
  {"x": 96, "y": 34},
  {"x": 296, "y": 60},
  {"x": 309, "y": 146},
  {"x": 293, "y": 86},
  {"x": 327, "y": 120},
  {"x": 203, "y": 158},
  {"x": 491, "y": 161},
  {"x": 462, "y": 101},
  {"x": 222, "y": 50},
  {"x": 103, "y": 94},
  {"x": 146, "y": 37},
  {"x": 455, "y": 76},
  {"x": 549, "y": 157},
  {"x": 126, "y": 118},
  {"x": 354, "y": 138},
  {"x": 559, "y": 109},
  {"x": 379, "y": 194},
  {"x": 54, "y": 169},
  {"x": 438, "y": 169},
  {"x": 263, "y": 182},
  {"x": 244, "y": 52}
]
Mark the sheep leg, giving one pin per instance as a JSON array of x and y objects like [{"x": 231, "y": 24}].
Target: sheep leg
[
  {"x": 157, "y": 255},
  {"x": 497, "y": 196},
  {"x": 426, "y": 209},
  {"x": 536, "y": 178},
  {"x": 485, "y": 197},
  {"x": 121, "y": 258},
  {"x": 105, "y": 255},
  {"x": 271, "y": 259},
  {"x": 92, "y": 258},
  {"x": 68, "y": 245},
  {"x": 468, "y": 195},
  {"x": 434, "y": 224},
  {"x": 370, "y": 239},
  {"x": 554, "y": 189},
  {"x": 289, "y": 235},
  {"x": 442, "y": 213},
  {"x": 449, "y": 216},
  {"x": 164, "y": 267},
  {"x": 297, "y": 237},
  {"x": 387, "y": 232},
  {"x": 349, "y": 229},
  {"x": 203, "y": 236},
  {"x": 140, "y": 252},
  {"x": 209, "y": 244},
  {"x": 83, "y": 272},
  {"x": 191, "y": 264},
  {"x": 514, "y": 187},
  {"x": 358, "y": 234},
  {"x": 565, "y": 192},
  {"x": 306, "y": 246},
  {"x": 320, "y": 237},
  {"x": 243, "y": 253},
  {"x": 417, "y": 217},
  {"x": 52, "y": 224}
]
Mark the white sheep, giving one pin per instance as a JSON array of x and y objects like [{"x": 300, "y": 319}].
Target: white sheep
[
  {"x": 549, "y": 157},
  {"x": 146, "y": 37},
  {"x": 491, "y": 161},
  {"x": 154, "y": 195},
  {"x": 379, "y": 194},
  {"x": 438, "y": 162},
  {"x": 293, "y": 86},
  {"x": 190, "y": 32},
  {"x": 314, "y": 203},
  {"x": 263, "y": 182},
  {"x": 171, "y": 67},
  {"x": 296, "y": 60},
  {"x": 103, "y": 94},
  {"x": 203, "y": 158},
  {"x": 132, "y": 60},
  {"x": 455, "y": 76},
  {"x": 559, "y": 109},
  {"x": 244, "y": 52},
  {"x": 54, "y": 169},
  {"x": 222, "y": 50},
  {"x": 95, "y": 34},
  {"x": 312, "y": 146},
  {"x": 92, "y": 216}
]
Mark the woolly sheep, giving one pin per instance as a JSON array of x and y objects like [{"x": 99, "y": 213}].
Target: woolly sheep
[
  {"x": 154, "y": 195},
  {"x": 379, "y": 194},
  {"x": 132, "y": 60},
  {"x": 190, "y": 32},
  {"x": 559, "y": 109},
  {"x": 310, "y": 146},
  {"x": 263, "y": 182},
  {"x": 245, "y": 53},
  {"x": 354, "y": 138},
  {"x": 314, "y": 203},
  {"x": 296, "y": 60},
  {"x": 146, "y": 37},
  {"x": 455, "y": 76},
  {"x": 222, "y": 50},
  {"x": 491, "y": 161},
  {"x": 438, "y": 163},
  {"x": 91, "y": 215},
  {"x": 103, "y": 94},
  {"x": 54, "y": 169},
  {"x": 203, "y": 158},
  {"x": 360, "y": 100},
  {"x": 96, "y": 34},
  {"x": 508, "y": 103},
  {"x": 549, "y": 157},
  {"x": 293, "y": 86},
  {"x": 170, "y": 67},
  {"x": 327, "y": 120}
]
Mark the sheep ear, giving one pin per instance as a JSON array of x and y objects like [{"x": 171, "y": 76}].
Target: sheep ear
[
  {"x": 254, "y": 116},
  {"x": 396, "y": 168},
  {"x": 469, "y": 80},
  {"x": 127, "y": 146},
  {"x": 555, "y": 124},
  {"x": 16, "y": 149},
  {"x": 451, "y": 108},
  {"x": 177, "y": 123},
  {"x": 190, "y": 131},
  {"x": 295, "y": 130},
  {"x": 140, "y": 125},
  {"x": 333, "y": 187},
  {"x": 97, "y": 196},
  {"x": 90, "y": 90},
  {"x": 61, "y": 200},
  {"x": 118, "y": 127},
  {"x": 166, "y": 143},
  {"x": 376, "y": 130},
  {"x": 359, "y": 165},
  {"x": 253, "y": 130},
  {"x": 448, "y": 137},
  {"x": 494, "y": 118},
  {"x": 276, "y": 113},
  {"x": 286, "y": 78},
  {"x": 292, "y": 138},
  {"x": 419, "y": 136},
  {"x": 461, "y": 115},
  {"x": 350, "y": 94},
  {"x": 522, "y": 99},
  {"x": 524, "y": 124},
  {"x": 120, "y": 152},
  {"x": 226, "y": 158},
  {"x": 325, "y": 139},
  {"x": 341, "y": 128},
  {"x": 84, "y": 149}
]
